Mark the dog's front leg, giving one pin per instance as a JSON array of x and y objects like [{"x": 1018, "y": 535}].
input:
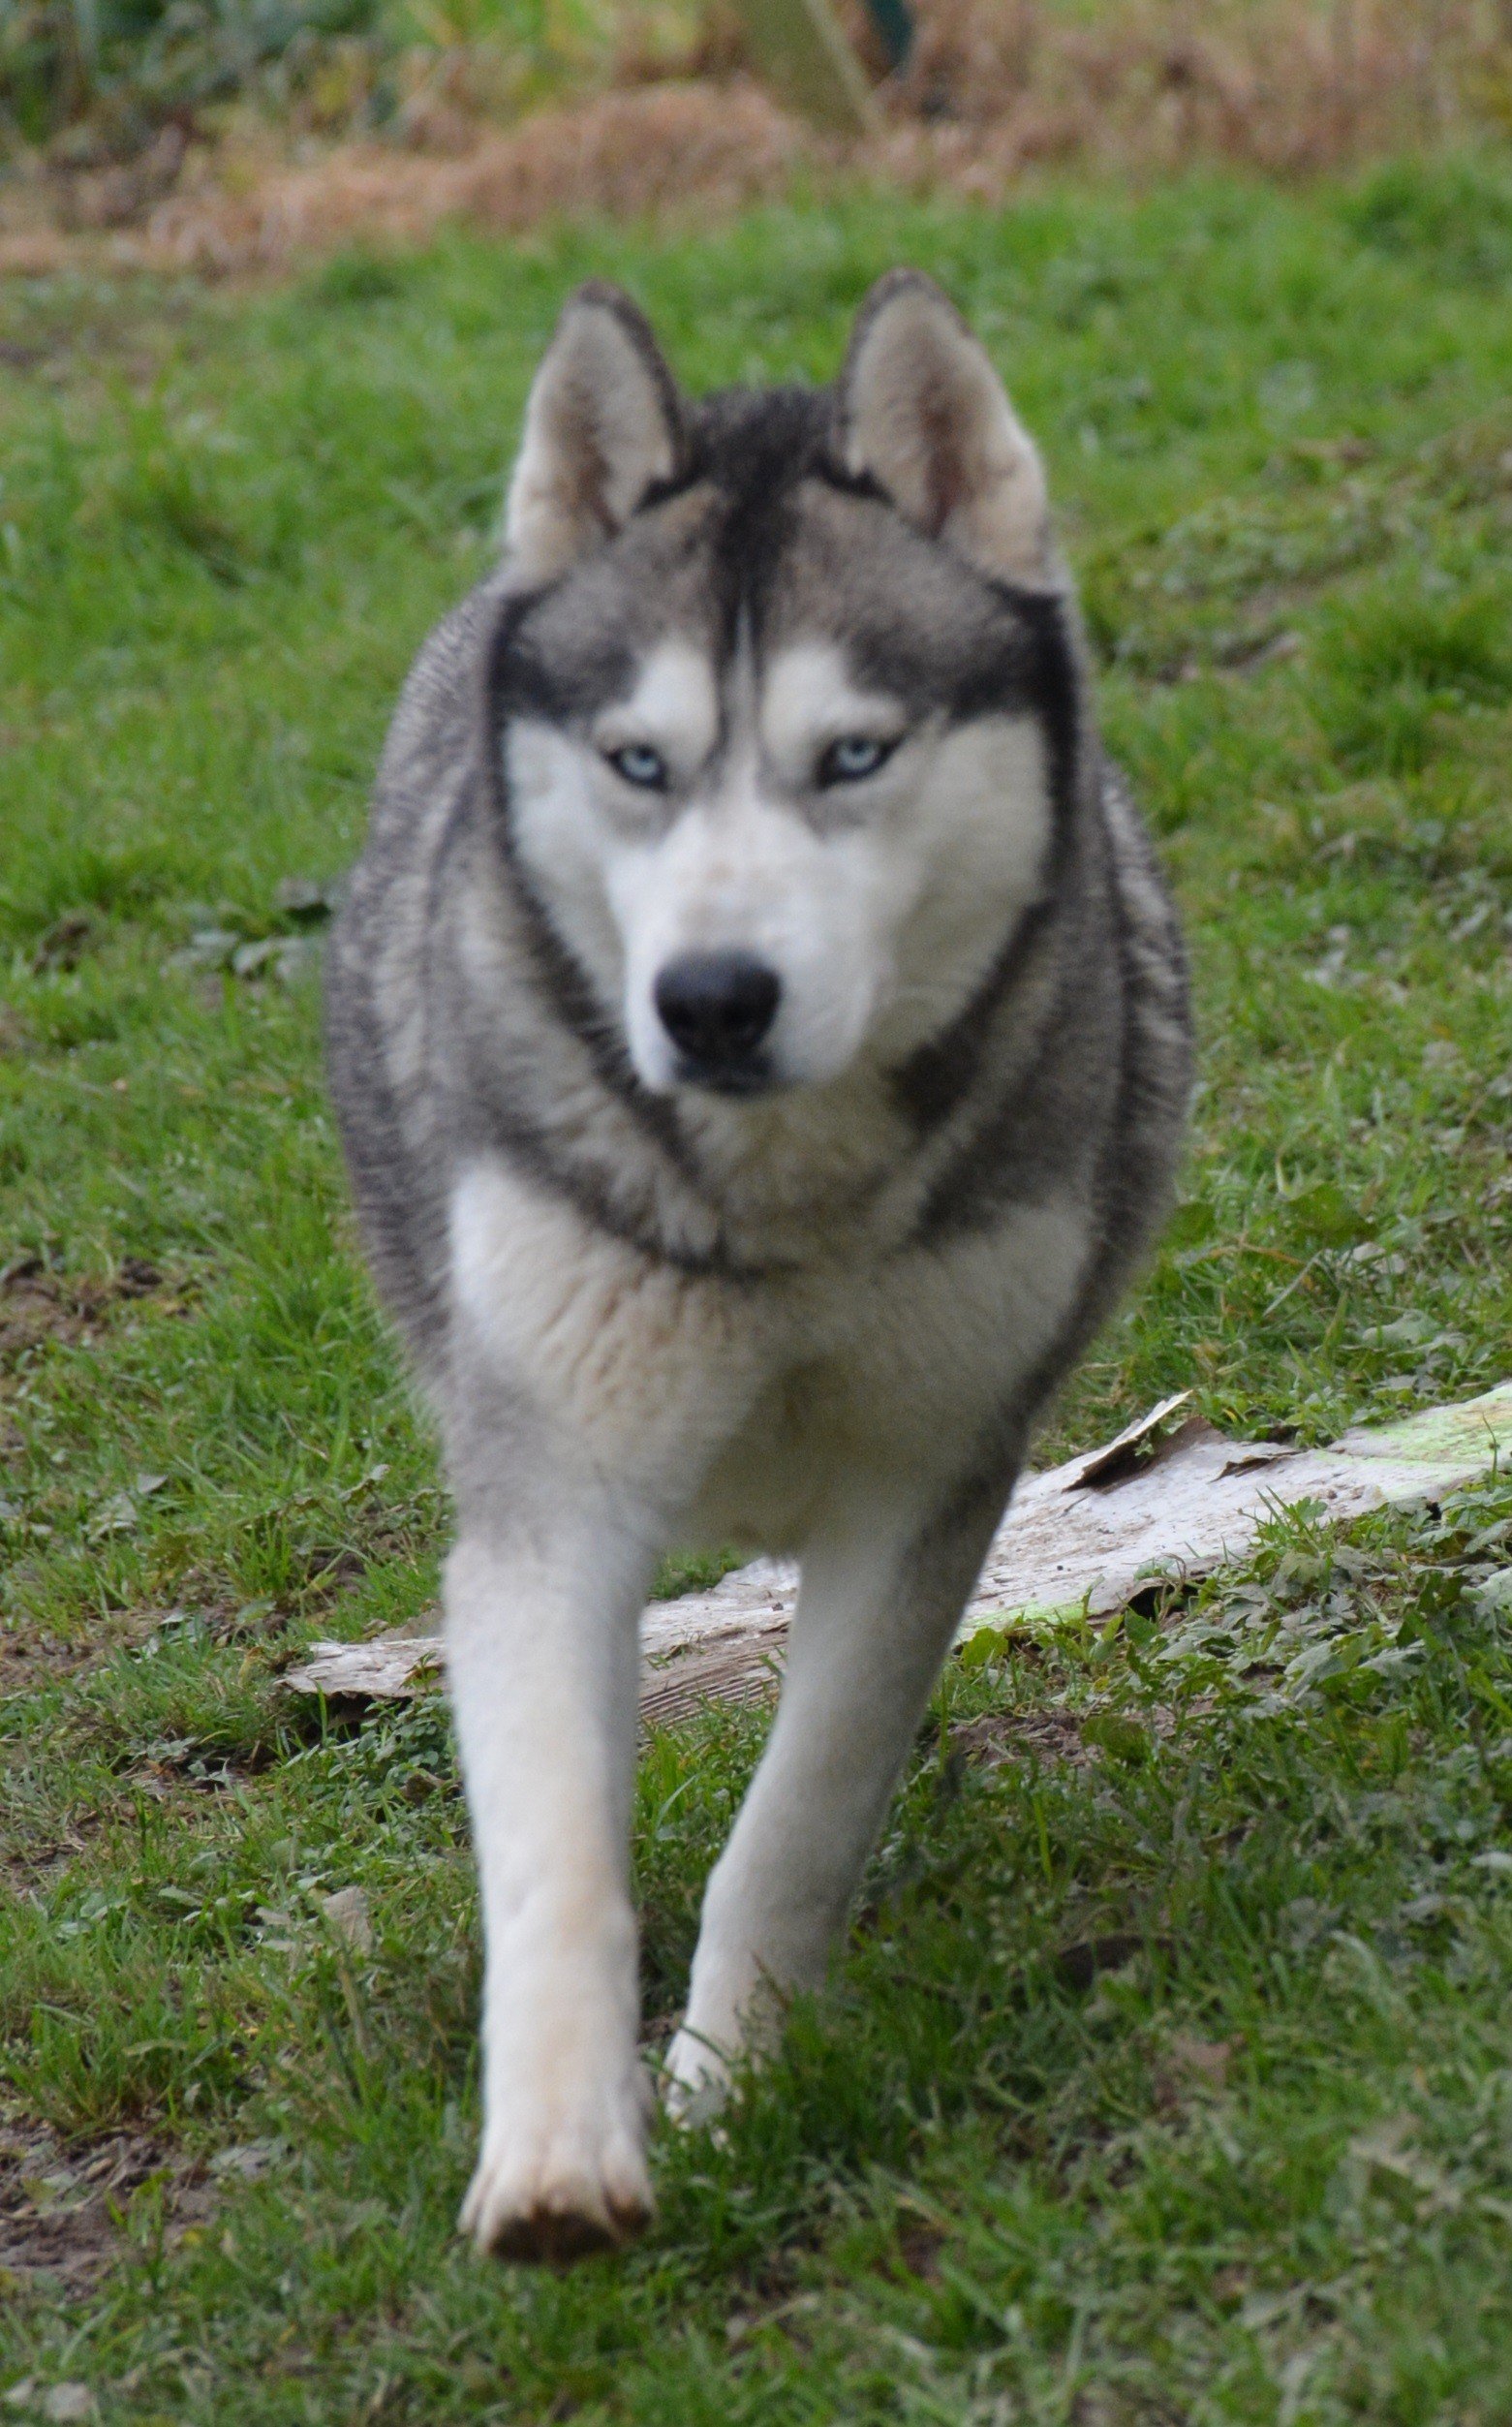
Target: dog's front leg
[
  {"x": 878, "y": 1603},
  {"x": 542, "y": 1601}
]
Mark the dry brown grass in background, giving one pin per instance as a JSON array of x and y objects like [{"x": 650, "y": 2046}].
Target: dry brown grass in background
[
  {"x": 668, "y": 148},
  {"x": 1281, "y": 85},
  {"x": 996, "y": 87}
]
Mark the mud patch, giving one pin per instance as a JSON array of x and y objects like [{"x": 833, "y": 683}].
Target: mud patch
[
  {"x": 30, "y": 1658},
  {"x": 1079, "y": 1965},
  {"x": 919, "y": 2248},
  {"x": 1003, "y": 1736},
  {"x": 1075, "y": 1739},
  {"x": 36, "y": 1303},
  {"x": 16, "y": 1037},
  {"x": 179, "y": 1763},
  {"x": 65, "y": 2206},
  {"x": 26, "y": 1872},
  {"x": 65, "y": 943}
]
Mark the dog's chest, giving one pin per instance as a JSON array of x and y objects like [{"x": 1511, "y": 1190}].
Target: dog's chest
[
  {"x": 882, "y": 1379},
  {"x": 740, "y": 1409}
]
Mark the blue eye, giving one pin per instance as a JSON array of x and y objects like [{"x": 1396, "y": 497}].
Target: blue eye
[
  {"x": 852, "y": 757},
  {"x": 641, "y": 765}
]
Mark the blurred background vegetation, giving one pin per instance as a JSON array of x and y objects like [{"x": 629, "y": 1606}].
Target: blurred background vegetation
[
  {"x": 105, "y": 77},
  {"x": 177, "y": 118},
  {"x": 124, "y": 68}
]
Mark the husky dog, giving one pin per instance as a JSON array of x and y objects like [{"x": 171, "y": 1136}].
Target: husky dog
[{"x": 759, "y": 1034}]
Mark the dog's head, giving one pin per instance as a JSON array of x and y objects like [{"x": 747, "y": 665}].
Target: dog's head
[{"x": 782, "y": 695}]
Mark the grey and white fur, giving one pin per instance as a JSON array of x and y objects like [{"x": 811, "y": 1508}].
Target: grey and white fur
[{"x": 760, "y": 1034}]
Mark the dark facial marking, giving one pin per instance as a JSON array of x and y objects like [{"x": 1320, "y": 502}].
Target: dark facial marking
[
  {"x": 528, "y": 677},
  {"x": 942, "y": 1073}
]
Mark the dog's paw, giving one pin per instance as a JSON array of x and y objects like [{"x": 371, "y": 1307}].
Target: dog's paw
[
  {"x": 554, "y": 2185},
  {"x": 696, "y": 2083}
]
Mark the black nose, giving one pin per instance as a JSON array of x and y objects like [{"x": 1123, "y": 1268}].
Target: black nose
[{"x": 716, "y": 1007}]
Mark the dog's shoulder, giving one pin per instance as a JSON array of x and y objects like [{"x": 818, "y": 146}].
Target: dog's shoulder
[
  {"x": 1154, "y": 957},
  {"x": 434, "y": 727}
]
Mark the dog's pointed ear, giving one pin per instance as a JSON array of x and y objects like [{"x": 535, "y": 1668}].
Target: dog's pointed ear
[
  {"x": 603, "y": 424},
  {"x": 921, "y": 411}
]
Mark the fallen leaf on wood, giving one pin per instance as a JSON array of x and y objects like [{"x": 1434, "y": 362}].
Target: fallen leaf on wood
[
  {"x": 1088, "y": 1535},
  {"x": 1121, "y": 1456}
]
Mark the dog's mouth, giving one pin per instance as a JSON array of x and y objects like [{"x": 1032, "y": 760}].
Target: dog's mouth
[{"x": 747, "y": 1078}]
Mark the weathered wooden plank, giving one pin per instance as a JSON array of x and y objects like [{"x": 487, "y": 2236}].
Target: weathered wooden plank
[{"x": 1086, "y": 1535}]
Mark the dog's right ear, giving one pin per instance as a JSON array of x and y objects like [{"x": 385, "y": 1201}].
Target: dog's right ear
[{"x": 603, "y": 424}]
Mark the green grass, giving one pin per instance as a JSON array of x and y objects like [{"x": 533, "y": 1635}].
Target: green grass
[{"x": 1253, "y": 2166}]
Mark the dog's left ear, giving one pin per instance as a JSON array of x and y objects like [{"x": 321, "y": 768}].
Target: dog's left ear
[
  {"x": 603, "y": 424},
  {"x": 920, "y": 409}
]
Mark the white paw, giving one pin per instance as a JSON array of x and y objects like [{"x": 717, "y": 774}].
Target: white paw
[
  {"x": 696, "y": 2083},
  {"x": 559, "y": 2176}
]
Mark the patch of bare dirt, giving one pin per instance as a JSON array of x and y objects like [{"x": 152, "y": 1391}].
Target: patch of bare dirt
[
  {"x": 65, "y": 943},
  {"x": 15, "y": 1037},
  {"x": 1001, "y": 1736},
  {"x": 36, "y": 1303},
  {"x": 25, "y": 1874},
  {"x": 919, "y": 2248},
  {"x": 63, "y": 2205},
  {"x": 29, "y": 1656},
  {"x": 180, "y": 1765},
  {"x": 1056, "y": 1735},
  {"x": 1080, "y": 1964}
]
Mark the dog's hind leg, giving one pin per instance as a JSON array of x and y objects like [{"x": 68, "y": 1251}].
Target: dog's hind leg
[
  {"x": 878, "y": 1603},
  {"x": 542, "y": 1601}
]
